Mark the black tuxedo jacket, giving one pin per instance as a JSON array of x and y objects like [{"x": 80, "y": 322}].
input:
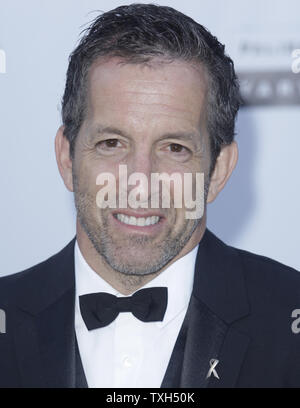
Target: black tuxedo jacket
[{"x": 239, "y": 313}]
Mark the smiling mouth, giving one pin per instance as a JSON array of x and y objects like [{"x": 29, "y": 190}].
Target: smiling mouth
[{"x": 137, "y": 221}]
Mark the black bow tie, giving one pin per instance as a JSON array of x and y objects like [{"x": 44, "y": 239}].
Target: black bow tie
[{"x": 100, "y": 309}]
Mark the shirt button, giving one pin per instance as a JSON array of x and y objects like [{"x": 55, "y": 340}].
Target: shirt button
[{"x": 127, "y": 362}]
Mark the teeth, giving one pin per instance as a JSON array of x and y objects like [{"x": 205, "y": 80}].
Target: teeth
[{"x": 140, "y": 221}]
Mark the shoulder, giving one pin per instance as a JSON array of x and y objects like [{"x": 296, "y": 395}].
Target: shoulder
[
  {"x": 256, "y": 267},
  {"x": 34, "y": 278},
  {"x": 273, "y": 291},
  {"x": 271, "y": 288},
  {"x": 270, "y": 273}
]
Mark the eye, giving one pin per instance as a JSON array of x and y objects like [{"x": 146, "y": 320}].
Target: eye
[
  {"x": 109, "y": 143},
  {"x": 176, "y": 151},
  {"x": 176, "y": 148},
  {"x": 110, "y": 147}
]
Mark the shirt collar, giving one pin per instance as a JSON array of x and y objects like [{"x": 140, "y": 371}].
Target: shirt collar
[{"x": 178, "y": 278}]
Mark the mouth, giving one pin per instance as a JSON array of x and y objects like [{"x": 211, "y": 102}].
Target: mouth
[{"x": 140, "y": 221}]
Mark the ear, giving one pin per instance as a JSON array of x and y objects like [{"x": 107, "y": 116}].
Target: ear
[
  {"x": 64, "y": 162},
  {"x": 225, "y": 165}
]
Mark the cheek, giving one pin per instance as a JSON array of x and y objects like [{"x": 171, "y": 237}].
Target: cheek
[
  {"x": 188, "y": 193},
  {"x": 89, "y": 169},
  {"x": 86, "y": 177}
]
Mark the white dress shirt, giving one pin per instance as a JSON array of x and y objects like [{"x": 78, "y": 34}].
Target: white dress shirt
[{"x": 129, "y": 353}]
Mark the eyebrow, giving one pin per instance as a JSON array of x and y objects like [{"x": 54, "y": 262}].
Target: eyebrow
[
  {"x": 193, "y": 136},
  {"x": 110, "y": 130}
]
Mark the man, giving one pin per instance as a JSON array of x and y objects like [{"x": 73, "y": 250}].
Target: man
[{"x": 151, "y": 90}]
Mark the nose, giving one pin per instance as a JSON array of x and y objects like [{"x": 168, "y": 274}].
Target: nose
[{"x": 139, "y": 167}]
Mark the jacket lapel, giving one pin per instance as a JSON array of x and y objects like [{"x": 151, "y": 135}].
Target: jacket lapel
[
  {"x": 210, "y": 339},
  {"x": 218, "y": 299},
  {"x": 44, "y": 333},
  {"x": 204, "y": 338},
  {"x": 230, "y": 357}
]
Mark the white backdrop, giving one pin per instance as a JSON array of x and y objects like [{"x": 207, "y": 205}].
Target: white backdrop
[{"x": 259, "y": 208}]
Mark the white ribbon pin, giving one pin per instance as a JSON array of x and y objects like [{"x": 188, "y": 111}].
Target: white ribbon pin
[{"x": 213, "y": 363}]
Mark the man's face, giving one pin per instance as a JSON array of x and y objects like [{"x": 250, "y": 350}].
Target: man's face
[{"x": 151, "y": 119}]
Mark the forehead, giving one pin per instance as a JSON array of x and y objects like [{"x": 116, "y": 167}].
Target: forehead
[{"x": 159, "y": 90}]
